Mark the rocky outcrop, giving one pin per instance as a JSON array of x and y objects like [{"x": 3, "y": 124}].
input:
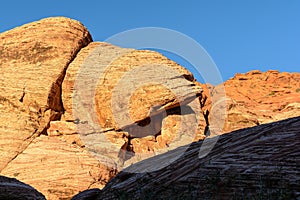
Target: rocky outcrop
[
  {"x": 58, "y": 168},
  {"x": 257, "y": 97},
  {"x": 13, "y": 189},
  {"x": 43, "y": 72},
  {"x": 33, "y": 61},
  {"x": 75, "y": 112},
  {"x": 257, "y": 163},
  {"x": 131, "y": 104}
]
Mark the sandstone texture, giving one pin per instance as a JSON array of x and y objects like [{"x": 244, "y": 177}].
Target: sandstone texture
[
  {"x": 34, "y": 58},
  {"x": 33, "y": 61},
  {"x": 51, "y": 68},
  {"x": 256, "y": 98},
  {"x": 131, "y": 104},
  {"x": 255, "y": 163}
]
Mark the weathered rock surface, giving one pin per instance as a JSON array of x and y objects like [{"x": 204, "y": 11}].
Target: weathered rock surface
[
  {"x": 58, "y": 168},
  {"x": 154, "y": 80},
  {"x": 42, "y": 62},
  {"x": 34, "y": 58},
  {"x": 257, "y": 163},
  {"x": 127, "y": 105},
  {"x": 12, "y": 189},
  {"x": 258, "y": 97},
  {"x": 127, "y": 102},
  {"x": 33, "y": 61}
]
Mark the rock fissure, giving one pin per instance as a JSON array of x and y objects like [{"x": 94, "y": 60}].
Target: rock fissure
[
  {"x": 53, "y": 109},
  {"x": 206, "y": 117},
  {"x": 55, "y": 105},
  {"x": 37, "y": 56},
  {"x": 28, "y": 140},
  {"x": 23, "y": 95}
]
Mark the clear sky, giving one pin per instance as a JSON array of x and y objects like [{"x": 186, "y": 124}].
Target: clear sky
[{"x": 239, "y": 35}]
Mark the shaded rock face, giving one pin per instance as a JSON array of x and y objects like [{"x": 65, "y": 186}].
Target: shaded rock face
[
  {"x": 12, "y": 189},
  {"x": 257, "y": 97},
  {"x": 257, "y": 163},
  {"x": 87, "y": 194}
]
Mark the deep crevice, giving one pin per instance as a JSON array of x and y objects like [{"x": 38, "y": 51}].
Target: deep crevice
[
  {"x": 23, "y": 95},
  {"x": 56, "y": 89},
  {"x": 206, "y": 117},
  {"x": 54, "y": 102}
]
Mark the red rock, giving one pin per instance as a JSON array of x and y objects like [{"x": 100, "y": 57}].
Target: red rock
[{"x": 258, "y": 98}]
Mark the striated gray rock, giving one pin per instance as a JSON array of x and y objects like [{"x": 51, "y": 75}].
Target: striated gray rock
[
  {"x": 87, "y": 194},
  {"x": 12, "y": 189},
  {"x": 254, "y": 163}
]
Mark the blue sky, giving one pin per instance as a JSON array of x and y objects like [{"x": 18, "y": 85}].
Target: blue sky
[{"x": 239, "y": 35}]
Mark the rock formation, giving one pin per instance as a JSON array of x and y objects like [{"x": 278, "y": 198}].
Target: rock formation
[
  {"x": 129, "y": 83},
  {"x": 34, "y": 58},
  {"x": 254, "y": 163},
  {"x": 75, "y": 112},
  {"x": 257, "y": 98},
  {"x": 33, "y": 61},
  {"x": 41, "y": 63}
]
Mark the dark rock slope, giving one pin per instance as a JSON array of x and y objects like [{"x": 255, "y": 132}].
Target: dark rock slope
[
  {"x": 12, "y": 189},
  {"x": 254, "y": 163}
]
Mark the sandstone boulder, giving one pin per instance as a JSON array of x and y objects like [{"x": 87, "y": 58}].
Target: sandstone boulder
[
  {"x": 258, "y": 97},
  {"x": 45, "y": 66},
  {"x": 123, "y": 99},
  {"x": 58, "y": 168},
  {"x": 33, "y": 62}
]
